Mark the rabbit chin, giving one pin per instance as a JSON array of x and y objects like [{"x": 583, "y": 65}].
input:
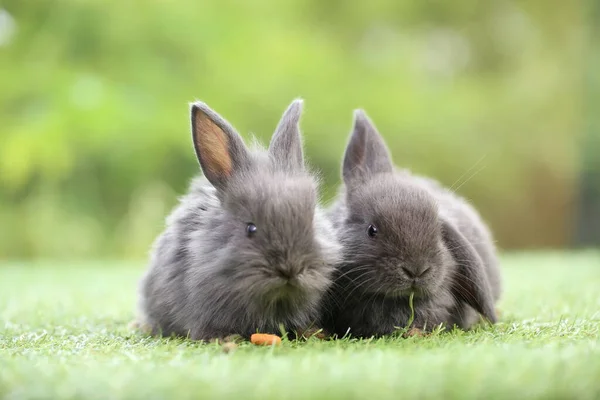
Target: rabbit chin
[
  {"x": 283, "y": 293},
  {"x": 284, "y": 302},
  {"x": 283, "y": 290}
]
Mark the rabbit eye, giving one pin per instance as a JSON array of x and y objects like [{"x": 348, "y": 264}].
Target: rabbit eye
[
  {"x": 372, "y": 231},
  {"x": 251, "y": 229}
]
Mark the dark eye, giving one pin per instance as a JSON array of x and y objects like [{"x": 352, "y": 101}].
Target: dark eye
[
  {"x": 372, "y": 230},
  {"x": 250, "y": 229}
]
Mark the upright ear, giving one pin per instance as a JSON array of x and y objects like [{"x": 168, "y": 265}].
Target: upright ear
[
  {"x": 286, "y": 145},
  {"x": 470, "y": 284},
  {"x": 220, "y": 150},
  {"x": 366, "y": 153}
]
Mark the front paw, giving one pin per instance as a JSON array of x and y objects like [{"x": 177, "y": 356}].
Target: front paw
[
  {"x": 140, "y": 326},
  {"x": 313, "y": 332},
  {"x": 233, "y": 338},
  {"x": 412, "y": 332}
]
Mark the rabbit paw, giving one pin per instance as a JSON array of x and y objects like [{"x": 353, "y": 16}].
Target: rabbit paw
[
  {"x": 414, "y": 332},
  {"x": 317, "y": 333}
]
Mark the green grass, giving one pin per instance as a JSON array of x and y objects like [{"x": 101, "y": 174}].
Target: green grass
[{"x": 64, "y": 334}]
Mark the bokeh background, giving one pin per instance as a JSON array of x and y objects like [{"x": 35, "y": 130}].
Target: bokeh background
[{"x": 493, "y": 98}]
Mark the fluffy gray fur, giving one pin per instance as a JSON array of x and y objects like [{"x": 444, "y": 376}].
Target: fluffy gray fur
[
  {"x": 208, "y": 277},
  {"x": 429, "y": 242}
]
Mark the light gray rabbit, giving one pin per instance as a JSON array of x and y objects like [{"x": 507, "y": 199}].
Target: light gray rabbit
[
  {"x": 248, "y": 248},
  {"x": 405, "y": 234}
]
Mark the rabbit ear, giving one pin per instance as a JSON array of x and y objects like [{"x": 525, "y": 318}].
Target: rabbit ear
[
  {"x": 470, "y": 284},
  {"x": 286, "y": 144},
  {"x": 219, "y": 148},
  {"x": 366, "y": 153}
]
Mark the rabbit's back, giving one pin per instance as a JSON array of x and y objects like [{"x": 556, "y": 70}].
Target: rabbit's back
[
  {"x": 468, "y": 221},
  {"x": 163, "y": 288}
]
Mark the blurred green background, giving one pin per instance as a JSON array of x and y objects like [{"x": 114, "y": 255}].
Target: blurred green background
[{"x": 490, "y": 97}]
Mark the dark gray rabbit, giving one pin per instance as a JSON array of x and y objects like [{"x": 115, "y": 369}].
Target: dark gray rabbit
[
  {"x": 405, "y": 234},
  {"x": 248, "y": 248}
]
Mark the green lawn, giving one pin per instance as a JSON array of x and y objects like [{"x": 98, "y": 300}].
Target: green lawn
[{"x": 64, "y": 334}]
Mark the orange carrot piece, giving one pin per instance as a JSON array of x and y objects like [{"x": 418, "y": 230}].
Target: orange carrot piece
[{"x": 264, "y": 339}]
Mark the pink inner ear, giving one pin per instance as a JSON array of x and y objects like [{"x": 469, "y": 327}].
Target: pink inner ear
[{"x": 213, "y": 146}]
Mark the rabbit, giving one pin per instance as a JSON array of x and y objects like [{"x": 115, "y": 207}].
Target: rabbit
[
  {"x": 248, "y": 249},
  {"x": 404, "y": 234}
]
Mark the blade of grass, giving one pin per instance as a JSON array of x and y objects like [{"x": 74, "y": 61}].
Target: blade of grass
[{"x": 412, "y": 310}]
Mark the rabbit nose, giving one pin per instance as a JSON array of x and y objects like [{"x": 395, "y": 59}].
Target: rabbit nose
[
  {"x": 416, "y": 272},
  {"x": 285, "y": 273}
]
